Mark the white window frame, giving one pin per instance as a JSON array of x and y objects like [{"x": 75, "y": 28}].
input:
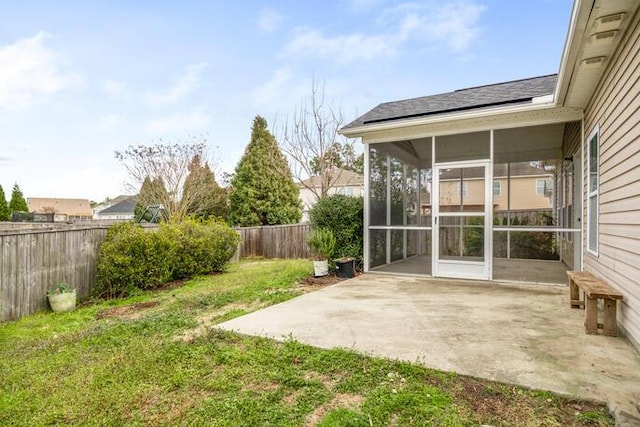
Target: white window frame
[
  {"x": 593, "y": 216},
  {"x": 538, "y": 180},
  {"x": 544, "y": 186},
  {"x": 499, "y": 193}
]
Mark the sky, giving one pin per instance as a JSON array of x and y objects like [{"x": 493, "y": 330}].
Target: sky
[{"x": 80, "y": 80}]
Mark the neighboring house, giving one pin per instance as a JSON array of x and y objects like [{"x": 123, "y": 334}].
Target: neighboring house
[
  {"x": 122, "y": 210},
  {"x": 107, "y": 204},
  {"x": 340, "y": 181},
  {"x": 586, "y": 120},
  {"x": 531, "y": 188},
  {"x": 63, "y": 209}
]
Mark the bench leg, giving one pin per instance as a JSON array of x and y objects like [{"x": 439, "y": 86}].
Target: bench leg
[
  {"x": 591, "y": 315},
  {"x": 574, "y": 295},
  {"x": 610, "y": 325}
]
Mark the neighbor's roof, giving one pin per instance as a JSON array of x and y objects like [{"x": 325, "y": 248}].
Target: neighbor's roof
[
  {"x": 125, "y": 206},
  {"x": 73, "y": 207},
  {"x": 513, "y": 92},
  {"x": 339, "y": 178}
]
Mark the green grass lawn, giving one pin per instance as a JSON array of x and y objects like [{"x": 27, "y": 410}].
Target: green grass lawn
[{"x": 154, "y": 359}]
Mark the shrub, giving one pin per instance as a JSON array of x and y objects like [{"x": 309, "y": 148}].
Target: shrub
[
  {"x": 323, "y": 242},
  {"x": 343, "y": 216},
  {"x": 199, "y": 248},
  {"x": 132, "y": 259}
]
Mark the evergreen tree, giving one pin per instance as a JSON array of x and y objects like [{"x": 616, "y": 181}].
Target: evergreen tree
[
  {"x": 262, "y": 189},
  {"x": 5, "y": 215},
  {"x": 206, "y": 199},
  {"x": 144, "y": 189},
  {"x": 17, "y": 203},
  {"x": 150, "y": 194}
]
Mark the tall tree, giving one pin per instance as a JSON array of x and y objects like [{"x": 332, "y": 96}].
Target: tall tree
[
  {"x": 167, "y": 165},
  {"x": 209, "y": 199},
  {"x": 312, "y": 142},
  {"x": 151, "y": 193},
  {"x": 5, "y": 214},
  {"x": 262, "y": 188},
  {"x": 17, "y": 203}
]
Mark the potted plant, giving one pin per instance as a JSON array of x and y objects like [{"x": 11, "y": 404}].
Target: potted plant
[
  {"x": 345, "y": 267},
  {"x": 62, "y": 297},
  {"x": 323, "y": 243}
]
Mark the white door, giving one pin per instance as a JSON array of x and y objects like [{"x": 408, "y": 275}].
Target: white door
[{"x": 462, "y": 211}]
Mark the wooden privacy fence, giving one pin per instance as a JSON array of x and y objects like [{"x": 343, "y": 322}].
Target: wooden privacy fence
[
  {"x": 274, "y": 241},
  {"x": 34, "y": 261}
]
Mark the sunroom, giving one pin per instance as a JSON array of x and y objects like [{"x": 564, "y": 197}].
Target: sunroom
[{"x": 480, "y": 183}]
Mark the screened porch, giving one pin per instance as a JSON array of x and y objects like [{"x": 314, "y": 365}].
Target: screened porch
[{"x": 501, "y": 204}]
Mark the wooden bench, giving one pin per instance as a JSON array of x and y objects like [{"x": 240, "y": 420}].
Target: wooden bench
[{"x": 594, "y": 289}]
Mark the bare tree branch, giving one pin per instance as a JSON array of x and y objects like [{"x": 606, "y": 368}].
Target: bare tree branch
[
  {"x": 313, "y": 144},
  {"x": 167, "y": 166}
]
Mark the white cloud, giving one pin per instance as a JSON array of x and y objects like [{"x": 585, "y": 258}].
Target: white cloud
[
  {"x": 269, "y": 20},
  {"x": 29, "y": 72},
  {"x": 189, "y": 81},
  {"x": 363, "y": 5},
  {"x": 274, "y": 88},
  {"x": 108, "y": 123},
  {"x": 342, "y": 48},
  {"x": 455, "y": 24},
  {"x": 452, "y": 25},
  {"x": 281, "y": 93},
  {"x": 114, "y": 88},
  {"x": 184, "y": 122}
]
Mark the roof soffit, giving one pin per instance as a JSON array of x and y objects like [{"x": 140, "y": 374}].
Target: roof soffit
[{"x": 578, "y": 78}]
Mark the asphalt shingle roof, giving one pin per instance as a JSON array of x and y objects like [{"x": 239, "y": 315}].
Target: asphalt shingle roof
[
  {"x": 125, "y": 206},
  {"x": 513, "y": 92}
]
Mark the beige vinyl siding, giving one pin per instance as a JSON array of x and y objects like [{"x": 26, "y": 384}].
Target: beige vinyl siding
[
  {"x": 615, "y": 108},
  {"x": 523, "y": 193}
]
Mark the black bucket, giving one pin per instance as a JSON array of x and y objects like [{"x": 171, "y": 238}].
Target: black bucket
[{"x": 345, "y": 269}]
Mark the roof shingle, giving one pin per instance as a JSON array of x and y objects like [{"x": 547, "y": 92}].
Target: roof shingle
[{"x": 513, "y": 92}]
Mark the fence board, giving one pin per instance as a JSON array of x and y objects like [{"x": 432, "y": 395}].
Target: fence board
[
  {"x": 274, "y": 241},
  {"x": 34, "y": 261}
]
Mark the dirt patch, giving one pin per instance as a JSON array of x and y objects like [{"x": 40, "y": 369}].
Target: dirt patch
[
  {"x": 260, "y": 387},
  {"x": 169, "y": 408},
  {"x": 501, "y": 403},
  {"x": 205, "y": 320},
  {"x": 312, "y": 283},
  {"x": 134, "y": 311},
  {"x": 170, "y": 285},
  {"x": 328, "y": 381},
  {"x": 340, "y": 400}
]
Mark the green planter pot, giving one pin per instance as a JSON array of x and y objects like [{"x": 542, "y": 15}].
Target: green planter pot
[{"x": 65, "y": 301}]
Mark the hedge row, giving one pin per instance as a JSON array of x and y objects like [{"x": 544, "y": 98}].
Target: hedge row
[{"x": 132, "y": 259}]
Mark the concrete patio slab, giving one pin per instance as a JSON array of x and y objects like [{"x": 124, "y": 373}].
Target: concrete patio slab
[{"x": 520, "y": 334}]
